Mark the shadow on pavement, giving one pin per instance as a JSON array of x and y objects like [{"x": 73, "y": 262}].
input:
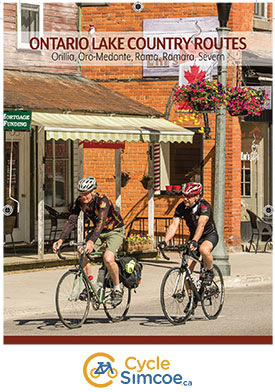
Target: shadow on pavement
[{"x": 147, "y": 321}]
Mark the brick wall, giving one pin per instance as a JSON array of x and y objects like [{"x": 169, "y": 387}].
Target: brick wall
[{"x": 155, "y": 93}]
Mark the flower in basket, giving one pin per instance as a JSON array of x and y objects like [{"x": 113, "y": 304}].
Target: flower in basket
[
  {"x": 138, "y": 242},
  {"x": 203, "y": 95},
  {"x": 245, "y": 101}
]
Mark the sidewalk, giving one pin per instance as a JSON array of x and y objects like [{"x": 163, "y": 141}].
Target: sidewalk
[{"x": 246, "y": 268}]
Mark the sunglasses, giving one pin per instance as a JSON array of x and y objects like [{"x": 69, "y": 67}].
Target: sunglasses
[{"x": 187, "y": 196}]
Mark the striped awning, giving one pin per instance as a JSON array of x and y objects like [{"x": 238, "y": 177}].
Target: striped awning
[{"x": 110, "y": 128}]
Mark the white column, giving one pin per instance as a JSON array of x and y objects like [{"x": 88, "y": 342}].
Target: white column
[
  {"x": 80, "y": 221},
  {"x": 41, "y": 172},
  {"x": 151, "y": 206},
  {"x": 118, "y": 178}
]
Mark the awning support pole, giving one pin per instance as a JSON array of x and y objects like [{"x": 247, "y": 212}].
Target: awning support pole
[
  {"x": 151, "y": 206},
  {"x": 80, "y": 221},
  {"x": 118, "y": 178},
  {"x": 41, "y": 172}
]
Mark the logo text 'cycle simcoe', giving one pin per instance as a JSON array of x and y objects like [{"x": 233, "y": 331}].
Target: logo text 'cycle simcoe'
[{"x": 100, "y": 371}]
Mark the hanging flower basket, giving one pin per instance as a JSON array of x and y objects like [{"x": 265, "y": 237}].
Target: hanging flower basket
[
  {"x": 245, "y": 101},
  {"x": 147, "y": 182},
  {"x": 201, "y": 96}
]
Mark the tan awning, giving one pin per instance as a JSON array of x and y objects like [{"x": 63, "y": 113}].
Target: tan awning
[{"x": 110, "y": 128}]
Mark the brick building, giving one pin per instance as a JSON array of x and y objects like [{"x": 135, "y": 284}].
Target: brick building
[
  {"x": 30, "y": 83},
  {"x": 181, "y": 160}
]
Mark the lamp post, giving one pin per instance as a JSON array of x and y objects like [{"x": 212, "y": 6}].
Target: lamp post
[{"x": 221, "y": 257}]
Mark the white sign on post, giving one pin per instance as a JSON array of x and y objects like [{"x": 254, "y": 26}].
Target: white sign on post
[{"x": 188, "y": 62}]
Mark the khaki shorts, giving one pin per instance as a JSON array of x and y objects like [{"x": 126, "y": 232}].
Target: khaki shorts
[{"x": 113, "y": 240}]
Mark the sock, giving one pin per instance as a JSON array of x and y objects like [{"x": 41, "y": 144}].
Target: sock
[{"x": 117, "y": 287}]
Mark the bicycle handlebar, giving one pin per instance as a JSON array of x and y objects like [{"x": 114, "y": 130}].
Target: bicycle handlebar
[
  {"x": 178, "y": 248},
  {"x": 76, "y": 244},
  {"x": 163, "y": 254}
]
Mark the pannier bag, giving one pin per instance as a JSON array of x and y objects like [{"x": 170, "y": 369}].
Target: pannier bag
[{"x": 130, "y": 272}]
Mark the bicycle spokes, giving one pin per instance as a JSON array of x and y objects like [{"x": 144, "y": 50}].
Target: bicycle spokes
[
  {"x": 176, "y": 302},
  {"x": 213, "y": 295}
]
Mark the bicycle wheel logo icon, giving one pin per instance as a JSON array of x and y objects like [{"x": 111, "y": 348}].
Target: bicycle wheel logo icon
[{"x": 101, "y": 372}]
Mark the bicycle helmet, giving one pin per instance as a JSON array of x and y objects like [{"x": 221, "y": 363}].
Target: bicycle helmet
[
  {"x": 192, "y": 189},
  {"x": 87, "y": 184}
]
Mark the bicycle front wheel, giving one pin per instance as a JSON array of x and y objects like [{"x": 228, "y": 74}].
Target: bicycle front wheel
[
  {"x": 176, "y": 302},
  {"x": 72, "y": 310},
  {"x": 117, "y": 313},
  {"x": 213, "y": 295}
]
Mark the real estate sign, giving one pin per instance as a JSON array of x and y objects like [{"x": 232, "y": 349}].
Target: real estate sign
[{"x": 17, "y": 120}]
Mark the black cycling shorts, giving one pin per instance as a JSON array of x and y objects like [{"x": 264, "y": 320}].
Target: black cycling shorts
[{"x": 213, "y": 238}]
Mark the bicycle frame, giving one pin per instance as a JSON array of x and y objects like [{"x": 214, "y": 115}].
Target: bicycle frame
[
  {"x": 186, "y": 270},
  {"x": 98, "y": 294}
]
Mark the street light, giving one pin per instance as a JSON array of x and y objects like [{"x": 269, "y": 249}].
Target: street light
[{"x": 221, "y": 257}]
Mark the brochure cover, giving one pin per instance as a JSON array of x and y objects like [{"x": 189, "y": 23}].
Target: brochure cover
[{"x": 137, "y": 195}]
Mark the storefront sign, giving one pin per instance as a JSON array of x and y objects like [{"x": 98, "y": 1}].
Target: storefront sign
[
  {"x": 102, "y": 144},
  {"x": 17, "y": 120}
]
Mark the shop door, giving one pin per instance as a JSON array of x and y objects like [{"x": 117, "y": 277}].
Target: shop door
[{"x": 20, "y": 183}]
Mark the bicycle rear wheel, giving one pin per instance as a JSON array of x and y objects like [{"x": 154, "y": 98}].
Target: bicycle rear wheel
[
  {"x": 71, "y": 310},
  {"x": 213, "y": 295},
  {"x": 117, "y": 313},
  {"x": 174, "y": 297}
]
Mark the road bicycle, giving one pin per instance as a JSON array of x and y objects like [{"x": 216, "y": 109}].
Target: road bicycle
[
  {"x": 181, "y": 288},
  {"x": 72, "y": 308}
]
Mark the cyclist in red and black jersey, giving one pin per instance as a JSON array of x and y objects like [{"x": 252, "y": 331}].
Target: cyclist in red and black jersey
[
  {"x": 108, "y": 227},
  {"x": 199, "y": 219}
]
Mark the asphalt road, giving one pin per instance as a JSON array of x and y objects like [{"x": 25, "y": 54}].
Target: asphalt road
[{"x": 29, "y": 309}]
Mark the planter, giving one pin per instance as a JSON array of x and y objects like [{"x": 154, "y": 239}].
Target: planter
[
  {"x": 137, "y": 246},
  {"x": 169, "y": 187},
  {"x": 201, "y": 109},
  {"x": 201, "y": 96},
  {"x": 147, "y": 183},
  {"x": 245, "y": 101}
]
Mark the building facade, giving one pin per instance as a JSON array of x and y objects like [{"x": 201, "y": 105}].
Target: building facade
[
  {"x": 182, "y": 162},
  {"x": 247, "y": 178}
]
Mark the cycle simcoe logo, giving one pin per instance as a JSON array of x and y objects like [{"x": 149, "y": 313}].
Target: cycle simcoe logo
[{"x": 100, "y": 370}]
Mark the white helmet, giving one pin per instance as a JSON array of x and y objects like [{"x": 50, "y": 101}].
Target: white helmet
[{"x": 87, "y": 184}]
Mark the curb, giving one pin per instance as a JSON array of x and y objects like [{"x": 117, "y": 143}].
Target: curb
[
  {"x": 55, "y": 262},
  {"x": 246, "y": 280}
]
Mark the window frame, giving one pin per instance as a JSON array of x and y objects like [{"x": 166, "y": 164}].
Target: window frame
[
  {"x": 259, "y": 5},
  {"x": 20, "y": 44},
  {"x": 243, "y": 181},
  {"x": 69, "y": 175}
]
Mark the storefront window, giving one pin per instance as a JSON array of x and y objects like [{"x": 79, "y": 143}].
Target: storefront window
[
  {"x": 185, "y": 160},
  {"x": 57, "y": 173},
  {"x": 246, "y": 178},
  {"x": 256, "y": 166},
  {"x": 12, "y": 166}
]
